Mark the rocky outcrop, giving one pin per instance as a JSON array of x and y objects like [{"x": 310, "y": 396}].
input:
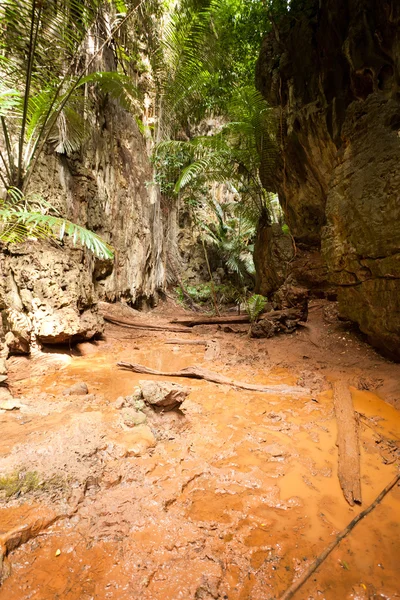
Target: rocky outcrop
[
  {"x": 49, "y": 293},
  {"x": 46, "y": 296},
  {"x": 332, "y": 69},
  {"x": 107, "y": 188}
]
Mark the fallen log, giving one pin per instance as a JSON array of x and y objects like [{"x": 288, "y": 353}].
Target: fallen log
[
  {"x": 290, "y": 592},
  {"x": 347, "y": 442},
  {"x": 142, "y": 325},
  {"x": 192, "y": 322},
  {"x": 200, "y": 373},
  {"x": 274, "y": 316}
]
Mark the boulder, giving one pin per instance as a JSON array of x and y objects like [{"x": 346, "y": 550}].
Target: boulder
[
  {"x": 163, "y": 394},
  {"x": 78, "y": 389},
  {"x": 46, "y": 296}
]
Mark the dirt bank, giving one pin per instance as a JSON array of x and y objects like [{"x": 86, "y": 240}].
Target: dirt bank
[{"x": 228, "y": 498}]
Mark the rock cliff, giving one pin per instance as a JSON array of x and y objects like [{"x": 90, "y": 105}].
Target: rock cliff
[
  {"x": 48, "y": 293},
  {"x": 332, "y": 70}
]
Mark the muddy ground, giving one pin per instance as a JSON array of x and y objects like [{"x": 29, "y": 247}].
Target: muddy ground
[{"x": 230, "y": 497}]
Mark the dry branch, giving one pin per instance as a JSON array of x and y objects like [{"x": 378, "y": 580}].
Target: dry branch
[
  {"x": 295, "y": 314},
  {"x": 142, "y": 325},
  {"x": 347, "y": 442},
  {"x": 320, "y": 559},
  {"x": 200, "y": 373},
  {"x": 192, "y": 322}
]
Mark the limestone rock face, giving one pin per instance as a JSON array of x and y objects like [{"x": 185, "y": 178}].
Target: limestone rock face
[
  {"x": 361, "y": 242},
  {"x": 273, "y": 252},
  {"x": 107, "y": 188},
  {"x": 46, "y": 295},
  {"x": 332, "y": 69},
  {"x": 49, "y": 294}
]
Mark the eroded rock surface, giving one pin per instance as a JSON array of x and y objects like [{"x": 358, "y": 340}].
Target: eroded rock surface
[
  {"x": 337, "y": 175},
  {"x": 46, "y": 295},
  {"x": 163, "y": 394}
]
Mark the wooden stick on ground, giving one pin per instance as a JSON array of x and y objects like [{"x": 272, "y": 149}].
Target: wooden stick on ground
[
  {"x": 347, "y": 442},
  {"x": 204, "y": 320},
  {"x": 320, "y": 559},
  {"x": 295, "y": 314},
  {"x": 143, "y": 325},
  {"x": 200, "y": 373}
]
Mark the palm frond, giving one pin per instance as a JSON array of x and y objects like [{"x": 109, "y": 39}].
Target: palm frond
[
  {"x": 17, "y": 225},
  {"x": 255, "y": 305}
]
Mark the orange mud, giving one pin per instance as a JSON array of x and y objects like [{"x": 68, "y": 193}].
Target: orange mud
[{"x": 230, "y": 499}]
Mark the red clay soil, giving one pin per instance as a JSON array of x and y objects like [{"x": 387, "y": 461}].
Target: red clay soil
[{"x": 230, "y": 498}]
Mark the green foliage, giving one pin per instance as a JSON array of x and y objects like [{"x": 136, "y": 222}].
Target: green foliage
[
  {"x": 18, "y": 224},
  {"x": 209, "y": 48},
  {"x": 44, "y": 100},
  {"x": 232, "y": 156},
  {"x": 19, "y": 483},
  {"x": 255, "y": 305},
  {"x": 168, "y": 167},
  {"x": 202, "y": 293},
  {"x": 232, "y": 237},
  {"x": 24, "y": 482}
]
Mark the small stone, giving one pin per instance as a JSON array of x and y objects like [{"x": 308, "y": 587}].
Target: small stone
[
  {"x": 119, "y": 403},
  {"x": 133, "y": 398},
  {"x": 132, "y": 417},
  {"x": 10, "y": 405},
  {"x": 78, "y": 389},
  {"x": 135, "y": 442},
  {"x": 3, "y": 367},
  {"x": 139, "y": 404},
  {"x": 90, "y": 398},
  {"x": 5, "y": 394},
  {"x": 3, "y": 378}
]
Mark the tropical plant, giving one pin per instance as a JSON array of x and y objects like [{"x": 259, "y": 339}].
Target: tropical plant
[
  {"x": 208, "y": 48},
  {"x": 232, "y": 237},
  {"x": 255, "y": 306},
  {"x": 42, "y": 221},
  {"x": 233, "y": 155},
  {"x": 46, "y": 69}
]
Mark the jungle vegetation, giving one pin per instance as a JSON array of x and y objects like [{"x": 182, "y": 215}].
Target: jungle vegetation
[{"x": 199, "y": 57}]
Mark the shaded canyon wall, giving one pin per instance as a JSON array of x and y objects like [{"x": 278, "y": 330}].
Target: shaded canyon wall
[
  {"x": 332, "y": 70},
  {"x": 49, "y": 294}
]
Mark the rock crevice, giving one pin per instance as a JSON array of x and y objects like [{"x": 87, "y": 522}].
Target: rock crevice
[{"x": 332, "y": 70}]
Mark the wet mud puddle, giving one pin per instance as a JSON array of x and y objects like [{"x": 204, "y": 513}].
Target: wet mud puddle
[{"x": 229, "y": 498}]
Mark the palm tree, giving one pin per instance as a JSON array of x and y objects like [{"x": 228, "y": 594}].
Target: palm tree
[
  {"x": 45, "y": 73},
  {"x": 234, "y": 154},
  {"x": 232, "y": 237}
]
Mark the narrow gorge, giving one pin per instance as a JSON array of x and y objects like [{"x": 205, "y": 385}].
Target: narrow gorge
[{"x": 199, "y": 299}]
